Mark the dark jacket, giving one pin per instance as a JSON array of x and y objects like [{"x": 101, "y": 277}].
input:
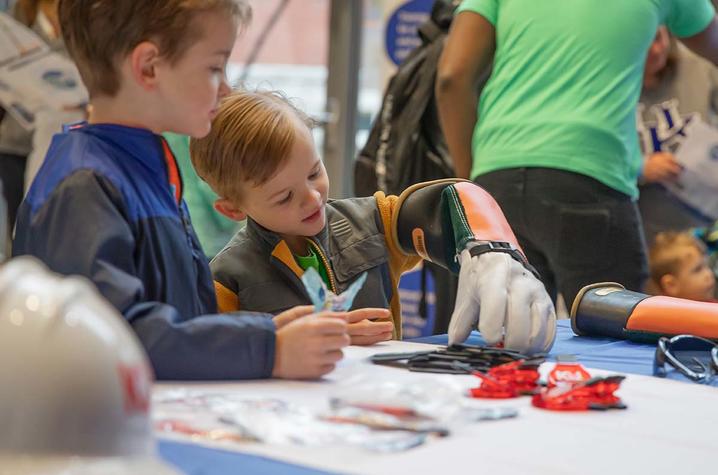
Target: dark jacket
[
  {"x": 257, "y": 271},
  {"x": 107, "y": 205}
]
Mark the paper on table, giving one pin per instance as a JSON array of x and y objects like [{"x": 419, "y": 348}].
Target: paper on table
[{"x": 698, "y": 154}]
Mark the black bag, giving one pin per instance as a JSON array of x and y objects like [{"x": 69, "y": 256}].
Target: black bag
[{"x": 406, "y": 145}]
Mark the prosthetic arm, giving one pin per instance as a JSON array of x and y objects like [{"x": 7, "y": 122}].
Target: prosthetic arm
[
  {"x": 458, "y": 225},
  {"x": 608, "y": 309}
]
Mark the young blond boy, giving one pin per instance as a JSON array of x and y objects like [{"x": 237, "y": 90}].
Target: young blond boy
[
  {"x": 679, "y": 267},
  {"x": 107, "y": 203},
  {"x": 260, "y": 159}
]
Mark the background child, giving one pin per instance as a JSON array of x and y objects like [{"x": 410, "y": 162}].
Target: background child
[
  {"x": 679, "y": 267},
  {"x": 107, "y": 202},
  {"x": 261, "y": 160}
]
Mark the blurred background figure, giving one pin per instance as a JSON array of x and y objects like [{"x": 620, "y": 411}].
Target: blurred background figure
[
  {"x": 22, "y": 151},
  {"x": 678, "y": 87},
  {"x": 679, "y": 267}
]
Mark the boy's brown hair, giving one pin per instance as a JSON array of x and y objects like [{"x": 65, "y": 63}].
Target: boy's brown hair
[
  {"x": 100, "y": 33},
  {"x": 251, "y": 137},
  {"x": 666, "y": 255}
]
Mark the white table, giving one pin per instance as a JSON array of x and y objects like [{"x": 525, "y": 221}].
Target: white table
[{"x": 669, "y": 427}]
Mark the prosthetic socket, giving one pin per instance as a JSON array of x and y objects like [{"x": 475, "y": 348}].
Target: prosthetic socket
[
  {"x": 439, "y": 219},
  {"x": 608, "y": 309}
]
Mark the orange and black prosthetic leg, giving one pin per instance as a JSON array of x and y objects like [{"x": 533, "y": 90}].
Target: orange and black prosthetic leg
[{"x": 608, "y": 309}]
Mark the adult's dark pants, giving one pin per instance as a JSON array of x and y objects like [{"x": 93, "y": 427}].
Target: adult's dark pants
[
  {"x": 12, "y": 174},
  {"x": 573, "y": 229}
]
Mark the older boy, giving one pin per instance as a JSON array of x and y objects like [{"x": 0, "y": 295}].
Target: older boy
[
  {"x": 261, "y": 160},
  {"x": 107, "y": 203}
]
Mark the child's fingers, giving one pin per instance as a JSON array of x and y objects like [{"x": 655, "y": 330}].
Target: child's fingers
[
  {"x": 367, "y": 313},
  {"x": 328, "y": 325},
  {"x": 333, "y": 343},
  {"x": 368, "y": 328},
  {"x": 366, "y": 340},
  {"x": 292, "y": 314},
  {"x": 327, "y": 368},
  {"x": 332, "y": 357},
  {"x": 359, "y": 315}
]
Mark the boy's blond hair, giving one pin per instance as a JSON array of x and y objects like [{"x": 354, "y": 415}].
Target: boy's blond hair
[
  {"x": 251, "y": 138},
  {"x": 666, "y": 256},
  {"x": 101, "y": 33}
]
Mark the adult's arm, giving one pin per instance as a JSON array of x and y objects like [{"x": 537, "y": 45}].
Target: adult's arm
[
  {"x": 467, "y": 56},
  {"x": 705, "y": 43}
]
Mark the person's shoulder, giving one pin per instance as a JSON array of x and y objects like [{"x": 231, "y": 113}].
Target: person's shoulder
[
  {"x": 361, "y": 205},
  {"x": 73, "y": 160},
  {"x": 352, "y": 220},
  {"x": 243, "y": 263},
  {"x": 237, "y": 250}
]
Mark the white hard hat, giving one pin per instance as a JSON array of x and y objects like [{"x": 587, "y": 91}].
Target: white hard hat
[{"x": 75, "y": 384}]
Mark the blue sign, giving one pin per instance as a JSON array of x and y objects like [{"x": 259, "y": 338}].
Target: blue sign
[
  {"x": 413, "y": 323},
  {"x": 402, "y": 28}
]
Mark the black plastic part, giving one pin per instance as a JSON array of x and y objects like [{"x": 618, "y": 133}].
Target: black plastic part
[
  {"x": 604, "y": 311},
  {"x": 506, "y": 248}
]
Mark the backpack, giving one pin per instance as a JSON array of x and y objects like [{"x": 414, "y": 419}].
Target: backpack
[{"x": 405, "y": 144}]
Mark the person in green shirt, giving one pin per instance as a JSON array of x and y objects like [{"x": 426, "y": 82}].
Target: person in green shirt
[
  {"x": 556, "y": 141},
  {"x": 213, "y": 230}
]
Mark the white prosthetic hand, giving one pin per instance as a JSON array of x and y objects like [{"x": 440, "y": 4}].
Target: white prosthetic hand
[{"x": 506, "y": 300}]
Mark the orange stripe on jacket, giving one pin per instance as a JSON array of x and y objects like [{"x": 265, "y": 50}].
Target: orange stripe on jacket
[
  {"x": 172, "y": 171},
  {"x": 484, "y": 215},
  {"x": 668, "y": 315},
  {"x": 282, "y": 252},
  {"x": 227, "y": 301}
]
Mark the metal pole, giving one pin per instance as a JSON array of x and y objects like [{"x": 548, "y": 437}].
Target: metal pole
[{"x": 345, "y": 28}]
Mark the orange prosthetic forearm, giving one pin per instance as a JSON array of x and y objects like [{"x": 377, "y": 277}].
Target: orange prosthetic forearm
[
  {"x": 608, "y": 309},
  {"x": 437, "y": 220}
]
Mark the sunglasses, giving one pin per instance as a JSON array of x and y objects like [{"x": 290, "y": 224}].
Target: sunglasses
[{"x": 693, "y": 356}]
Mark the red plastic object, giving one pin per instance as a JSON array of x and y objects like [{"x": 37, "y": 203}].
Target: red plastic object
[
  {"x": 522, "y": 375},
  {"x": 508, "y": 380},
  {"x": 493, "y": 389},
  {"x": 595, "y": 393},
  {"x": 567, "y": 372}
]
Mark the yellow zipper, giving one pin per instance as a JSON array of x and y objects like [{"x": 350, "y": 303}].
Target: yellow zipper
[{"x": 318, "y": 249}]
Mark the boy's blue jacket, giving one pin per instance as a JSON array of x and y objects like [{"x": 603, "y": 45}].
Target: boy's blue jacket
[{"x": 103, "y": 206}]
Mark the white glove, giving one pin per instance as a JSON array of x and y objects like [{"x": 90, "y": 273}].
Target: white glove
[{"x": 506, "y": 300}]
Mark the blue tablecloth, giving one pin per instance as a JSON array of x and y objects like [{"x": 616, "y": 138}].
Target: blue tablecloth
[
  {"x": 600, "y": 353},
  {"x": 196, "y": 460}
]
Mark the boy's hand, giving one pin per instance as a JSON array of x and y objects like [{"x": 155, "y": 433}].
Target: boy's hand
[
  {"x": 308, "y": 347},
  {"x": 292, "y": 314},
  {"x": 507, "y": 302},
  {"x": 364, "y": 331}
]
